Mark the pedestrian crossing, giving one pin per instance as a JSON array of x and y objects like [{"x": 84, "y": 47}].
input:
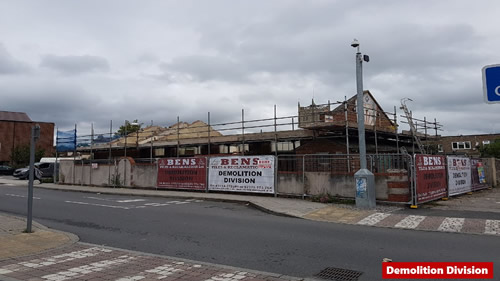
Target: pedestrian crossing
[
  {"x": 92, "y": 262},
  {"x": 432, "y": 223}
]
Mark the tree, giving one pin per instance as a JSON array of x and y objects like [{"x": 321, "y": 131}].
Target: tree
[
  {"x": 128, "y": 128},
  {"x": 20, "y": 156},
  {"x": 491, "y": 150}
]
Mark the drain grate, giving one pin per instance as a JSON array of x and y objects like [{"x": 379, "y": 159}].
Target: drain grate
[{"x": 339, "y": 274}]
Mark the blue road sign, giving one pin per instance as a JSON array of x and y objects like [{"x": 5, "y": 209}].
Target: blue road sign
[{"x": 491, "y": 83}]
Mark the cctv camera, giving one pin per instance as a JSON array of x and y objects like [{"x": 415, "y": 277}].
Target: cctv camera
[{"x": 355, "y": 43}]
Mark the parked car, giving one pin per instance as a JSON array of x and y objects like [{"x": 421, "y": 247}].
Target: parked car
[
  {"x": 6, "y": 170},
  {"x": 47, "y": 170}
]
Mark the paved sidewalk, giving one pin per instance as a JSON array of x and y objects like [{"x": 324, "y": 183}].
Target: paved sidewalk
[{"x": 15, "y": 243}]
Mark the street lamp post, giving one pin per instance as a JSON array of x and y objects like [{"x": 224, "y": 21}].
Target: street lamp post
[{"x": 365, "y": 180}]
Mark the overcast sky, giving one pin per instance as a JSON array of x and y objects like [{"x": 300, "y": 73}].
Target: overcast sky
[{"x": 89, "y": 62}]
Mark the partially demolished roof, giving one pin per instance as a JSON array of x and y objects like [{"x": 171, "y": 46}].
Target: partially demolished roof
[
  {"x": 181, "y": 130},
  {"x": 375, "y": 117}
]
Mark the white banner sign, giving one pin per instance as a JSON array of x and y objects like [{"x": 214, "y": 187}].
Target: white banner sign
[
  {"x": 459, "y": 176},
  {"x": 242, "y": 173}
]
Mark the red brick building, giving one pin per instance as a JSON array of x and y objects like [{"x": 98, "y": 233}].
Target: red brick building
[
  {"x": 463, "y": 144},
  {"x": 15, "y": 131}
]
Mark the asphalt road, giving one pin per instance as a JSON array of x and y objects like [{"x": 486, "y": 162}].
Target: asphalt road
[{"x": 237, "y": 235}]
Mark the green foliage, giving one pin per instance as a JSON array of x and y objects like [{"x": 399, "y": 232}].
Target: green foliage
[
  {"x": 491, "y": 150},
  {"x": 328, "y": 198},
  {"x": 48, "y": 180},
  {"x": 128, "y": 128},
  {"x": 115, "y": 180},
  {"x": 20, "y": 156}
]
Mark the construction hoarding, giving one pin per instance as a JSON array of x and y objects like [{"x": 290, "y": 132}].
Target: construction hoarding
[
  {"x": 459, "y": 175},
  {"x": 182, "y": 173},
  {"x": 430, "y": 177},
  {"x": 242, "y": 174}
]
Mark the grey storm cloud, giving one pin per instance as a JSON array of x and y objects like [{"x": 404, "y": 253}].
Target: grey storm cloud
[
  {"x": 75, "y": 64},
  {"x": 204, "y": 68},
  {"x": 187, "y": 58},
  {"x": 9, "y": 65}
]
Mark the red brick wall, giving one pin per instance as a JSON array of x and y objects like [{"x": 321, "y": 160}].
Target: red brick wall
[
  {"x": 13, "y": 134},
  {"x": 447, "y": 141}
]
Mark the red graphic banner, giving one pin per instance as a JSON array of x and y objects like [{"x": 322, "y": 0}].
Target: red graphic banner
[
  {"x": 182, "y": 173},
  {"x": 437, "y": 270},
  {"x": 431, "y": 177}
]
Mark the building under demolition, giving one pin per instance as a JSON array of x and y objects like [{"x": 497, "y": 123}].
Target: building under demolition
[{"x": 329, "y": 128}]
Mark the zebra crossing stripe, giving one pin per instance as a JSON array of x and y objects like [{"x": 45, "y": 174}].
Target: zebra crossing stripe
[
  {"x": 52, "y": 260},
  {"x": 83, "y": 270},
  {"x": 373, "y": 219},
  {"x": 410, "y": 222},
  {"x": 159, "y": 272},
  {"x": 452, "y": 225},
  {"x": 492, "y": 227}
]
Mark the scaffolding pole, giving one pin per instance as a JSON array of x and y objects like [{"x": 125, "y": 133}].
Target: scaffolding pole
[
  {"x": 209, "y": 141},
  {"x": 243, "y": 131}
]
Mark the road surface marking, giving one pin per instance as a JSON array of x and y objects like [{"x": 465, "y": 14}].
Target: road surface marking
[
  {"x": 102, "y": 199},
  {"x": 99, "y": 205},
  {"x": 77, "y": 272},
  {"x": 492, "y": 227},
  {"x": 373, "y": 219},
  {"x": 452, "y": 225},
  {"x": 156, "y": 204},
  {"x": 117, "y": 200},
  {"x": 23, "y": 196},
  {"x": 130, "y": 200},
  {"x": 410, "y": 222},
  {"x": 57, "y": 259}
]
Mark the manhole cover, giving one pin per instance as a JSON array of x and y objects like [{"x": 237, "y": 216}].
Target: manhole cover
[{"x": 339, "y": 274}]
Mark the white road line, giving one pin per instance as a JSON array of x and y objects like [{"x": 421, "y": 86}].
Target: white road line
[
  {"x": 131, "y": 200},
  {"x": 77, "y": 272},
  {"x": 492, "y": 227},
  {"x": 373, "y": 219},
  {"x": 156, "y": 204},
  {"x": 101, "y": 199},
  {"x": 452, "y": 225},
  {"x": 410, "y": 222},
  {"x": 99, "y": 205},
  {"x": 23, "y": 196}
]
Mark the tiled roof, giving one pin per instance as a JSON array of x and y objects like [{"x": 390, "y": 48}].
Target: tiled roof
[{"x": 14, "y": 116}]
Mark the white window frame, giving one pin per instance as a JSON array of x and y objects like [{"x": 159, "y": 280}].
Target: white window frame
[{"x": 461, "y": 145}]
